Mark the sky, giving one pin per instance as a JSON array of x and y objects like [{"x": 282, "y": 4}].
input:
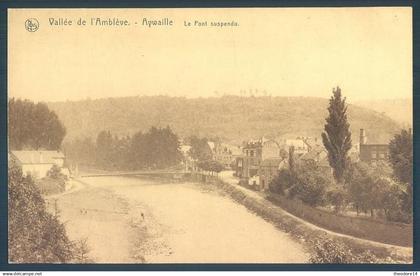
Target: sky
[{"x": 278, "y": 51}]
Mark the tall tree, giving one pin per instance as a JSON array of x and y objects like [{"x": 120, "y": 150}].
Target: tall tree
[
  {"x": 401, "y": 159},
  {"x": 104, "y": 147},
  {"x": 292, "y": 159},
  {"x": 337, "y": 135},
  {"x": 200, "y": 149},
  {"x": 33, "y": 126},
  {"x": 401, "y": 156}
]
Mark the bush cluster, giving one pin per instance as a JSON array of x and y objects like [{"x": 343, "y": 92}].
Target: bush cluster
[
  {"x": 326, "y": 250},
  {"x": 368, "y": 188},
  {"x": 306, "y": 182},
  {"x": 35, "y": 236}
]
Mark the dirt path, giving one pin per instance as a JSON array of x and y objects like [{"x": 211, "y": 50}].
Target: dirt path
[{"x": 181, "y": 223}]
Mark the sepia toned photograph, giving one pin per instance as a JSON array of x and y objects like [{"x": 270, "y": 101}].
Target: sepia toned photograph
[{"x": 210, "y": 136}]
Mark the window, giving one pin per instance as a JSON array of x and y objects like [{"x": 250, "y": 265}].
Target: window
[
  {"x": 252, "y": 153},
  {"x": 382, "y": 156},
  {"x": 373, "y": 154}
]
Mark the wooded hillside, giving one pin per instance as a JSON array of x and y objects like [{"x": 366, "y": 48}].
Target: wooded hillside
[{"x": 231, "y": 118}]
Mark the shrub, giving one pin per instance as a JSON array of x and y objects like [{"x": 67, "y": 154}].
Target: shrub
[
  {"x": 393, "y": 200},
  {"x": 335, "y": 252},
  {"x": 34, "y": 235},
  {"x": 337, "y": 197},
  {"x": 311, "y": 185},
  {"x": 283, "y": 181},
  {"x": 370, "y": 187},
  {"x": 55, "y": 172}
]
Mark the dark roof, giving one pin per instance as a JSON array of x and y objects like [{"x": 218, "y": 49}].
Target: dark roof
[
  {"x": 313, "y": 154},
  {"x": 312, "y": 143},
  {"x": 37, "y": 156}
]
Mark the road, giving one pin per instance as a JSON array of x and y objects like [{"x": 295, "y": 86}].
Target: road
[{"x": 133, "y": 220}]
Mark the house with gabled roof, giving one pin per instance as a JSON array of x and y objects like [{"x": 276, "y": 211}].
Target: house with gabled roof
[
  {"x": 37, "y": 163},
  {"x": 317, "y": 155}
]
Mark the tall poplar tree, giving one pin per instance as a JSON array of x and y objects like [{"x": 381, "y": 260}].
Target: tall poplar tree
[{"x": 337, "y": 136}]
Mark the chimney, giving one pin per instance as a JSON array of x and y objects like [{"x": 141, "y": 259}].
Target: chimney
[{"x": 362, "y": 139}]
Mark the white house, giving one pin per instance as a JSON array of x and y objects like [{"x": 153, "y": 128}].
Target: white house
[
  {"x": 37, "y": 162},
  {"x": 298, "y": 144}
]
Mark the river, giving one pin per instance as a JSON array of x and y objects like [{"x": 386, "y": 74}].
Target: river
[{"x": 132, "y": 220}]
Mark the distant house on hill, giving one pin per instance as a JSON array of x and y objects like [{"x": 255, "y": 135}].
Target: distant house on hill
[{"x": 37, "y": 162}]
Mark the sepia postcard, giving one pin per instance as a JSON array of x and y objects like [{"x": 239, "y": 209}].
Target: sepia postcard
[{"x": 210, "y": 135}]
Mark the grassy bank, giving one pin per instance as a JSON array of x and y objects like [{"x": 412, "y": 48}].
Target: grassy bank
[{"x": 398, "y": 234}]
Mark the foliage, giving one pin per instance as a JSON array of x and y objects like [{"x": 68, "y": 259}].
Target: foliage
[
  {"x": 104, "y": 150},
  {"x": 82, "y": 151},
  {"x": 393, "y": 201},
  {"x": 55, "y": 172},
  {"x": 311, "y": 185},
  {"x": 200, "y": 149},
  {"x": 211, "y": 166},
  {"x": 307, "y": 182},
  {"x": 158, "y": 148},
  {"x": 329, "y": 251},
  {"x": 370, "y": 189},
  {"x": 35, "y": 236},
  {"x": 364, "y": 187},
  {"x": 282, "y": 182},
  {"x": 337, "y": 196},
  {"x": 401, "y": 156},
  {"x": 33, "y": 126},
  {"x": 81, "y": 249},
  {"x": 291, "y": 159},
  {"x": 337, "y": 135}
]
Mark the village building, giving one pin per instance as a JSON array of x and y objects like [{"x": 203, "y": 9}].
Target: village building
[
  {"x": 253, "y": 154},
  {"x": 226, "y": 154},
  {"x": 37, "y": 163},
  {"x": 211, "y": 145},
  {"x": 269, "y": 169},
  {"x": 188, "y": 162},
  {"x": 299, "y": 144},
  {"x": 318, "y": 156},
  {"x": 371, "y": 152}
]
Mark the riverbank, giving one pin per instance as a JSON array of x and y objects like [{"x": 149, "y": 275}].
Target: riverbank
[{"x": 306, "y": 232}]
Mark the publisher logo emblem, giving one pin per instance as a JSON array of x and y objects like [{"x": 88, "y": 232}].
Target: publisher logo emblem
[{"x": 31, "y": 25}]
